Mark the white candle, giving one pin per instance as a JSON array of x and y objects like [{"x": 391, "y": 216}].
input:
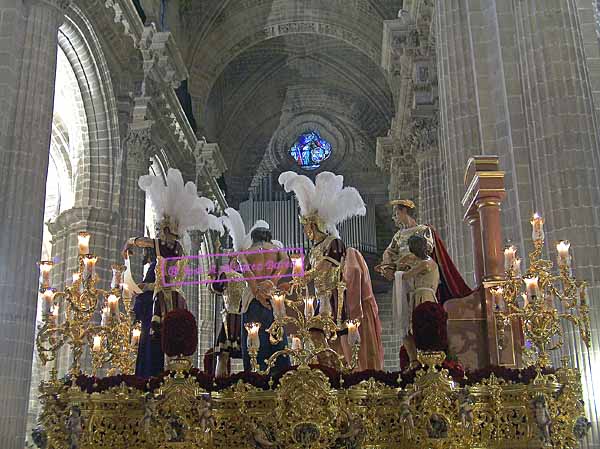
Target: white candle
[
  {"x": 97, "y": 343},
  {"x": 76, "y": 277},
  {"x": 83, "y": 242},
  {"x": 54, "y": 315},
  {"x": 497, "y": 293},
  {"x": 113, "y": 305},
  {"x": 517, "y": 266},
  {"x": 296, "y": 265},
  {"x": 353, "y": 335},
  {"x": 117, "y": 276},
  {"x": 324, "y": 307},
  {"x": 105, "y": 315},
  {"x": 564, "y": 259},
  {"x": 309, "y": 307},
  {"x": 296, "y": 343},
  {"x": 278, "y": 302},
  {"x": 135, "y": 337},
  {"x": 525, "y": 300},
  {"x": 253, "y": 341},
  {"x": 537, "y": 222},
  {"x": 531, "y": 285},
  {"x": 509, "y": 257},
  {"x": 48, "y": 298},
  {"x": 90, "y": 265},
  {"x": 45, "y": 269}
]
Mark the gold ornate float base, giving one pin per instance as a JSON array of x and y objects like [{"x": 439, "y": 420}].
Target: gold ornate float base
[{"x": 304, "y": 411}]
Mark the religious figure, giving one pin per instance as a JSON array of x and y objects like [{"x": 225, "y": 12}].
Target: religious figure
[
  {"x": 177, "y": 209},
  {"x": 74, "y": 427},
  {"x": 263, "y": 265},
  {"x": 422, "y": 280},
  {"x": 542, "y": 418},
  {"x": 398, "y": 260},
  {"x": 324, "y": 204},
  {"x": 229, "y": 344}
]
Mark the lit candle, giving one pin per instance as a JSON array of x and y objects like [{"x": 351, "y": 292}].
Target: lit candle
[
  {"x": 525, "y": 300},
  {"x": 45, "y": 269},
  {"x": 509, "y": 257},
  {"x": 309, "y": 307},
  {"x": 76, "y": 277},
  {"x": 296, "y": 343},
  {"x": 278, "y": 301},
  {"x": 517, "y": 266},
  {"x": 48, "y": 297},
  {"x": 54, "y": 315},
  {"x": 117, "y": 276},
  {"x": 353, "y": 335},
  {"x": 126, "y": 292},
  {"x": 97, "y": 343},
  {"x": 324, "y": 307},
  {"x": 83, "y": 241},
  {"x": 531, "y": 285},
  {"x": 253, "y": 341},
  {"x": 564, "y": 259},
  {"x": 90, "y": 265},
  {"x": 135, "y": 337},
  {"x": 497, "y": 293},
  {"x": 105, "y": 315},
  {"x": 296, "y": 265},
  {"x": 113, "y": 305},
  {"x": 538, "y": 227}
]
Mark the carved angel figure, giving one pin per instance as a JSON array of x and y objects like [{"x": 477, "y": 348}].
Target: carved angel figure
[
  {"x": 581, "y": 427},
  {"x": 465, "y": 410},
  {"x": 406, "y": 417},
  {"x": 352, "y": 432},
  {"x": 542, "y": 417},
  {"x": 149, "y": 418},
  {"x": 74, "y": 427},
  {"x": 205, "y": 416},
  {"x": 259, "y": 437}
]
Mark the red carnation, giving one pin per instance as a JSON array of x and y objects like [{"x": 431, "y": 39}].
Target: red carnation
[
  {"x": 179, "y": 333},
  {"x": 430, "y": 327}
]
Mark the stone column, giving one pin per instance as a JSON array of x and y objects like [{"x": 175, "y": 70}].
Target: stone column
[
  {"x": 28, "y": 70},
  {"x": 138, "y": 147},
  {"x": 192, "y": 291}
]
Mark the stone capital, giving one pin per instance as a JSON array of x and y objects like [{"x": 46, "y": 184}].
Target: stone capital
[
  {"x": 82, "y": 218},
  {"x": 209, "y": 158},
  {"x": 139, "y": 146}
]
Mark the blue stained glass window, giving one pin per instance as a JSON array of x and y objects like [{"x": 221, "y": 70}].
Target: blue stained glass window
[{"x": 310, "y": 150}]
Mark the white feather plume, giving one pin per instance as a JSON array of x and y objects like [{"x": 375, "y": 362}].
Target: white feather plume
[
  {"x": 236, "y": 228},
  {"x": 327, "y": 197},
  {"x": 303, "y": 188},
  {"x": 180, "y": 202}
]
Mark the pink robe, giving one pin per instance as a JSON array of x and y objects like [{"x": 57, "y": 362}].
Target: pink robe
[{"x": 361, "y": 304}]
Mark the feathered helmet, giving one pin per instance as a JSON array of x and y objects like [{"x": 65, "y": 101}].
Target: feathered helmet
[
  {"x": 326, "y": 202},
  {"x": 234, "y": 224},
  {"x": 177, "y": 206}
]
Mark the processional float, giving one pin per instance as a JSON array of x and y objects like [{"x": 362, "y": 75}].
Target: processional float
[{"x": 511, "y": 398}]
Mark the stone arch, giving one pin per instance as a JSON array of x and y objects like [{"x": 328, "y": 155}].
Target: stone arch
[{"x": 96, "y": 184}]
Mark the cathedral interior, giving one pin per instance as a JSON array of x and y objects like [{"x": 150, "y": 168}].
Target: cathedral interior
[{"x": 481, "y": 112}]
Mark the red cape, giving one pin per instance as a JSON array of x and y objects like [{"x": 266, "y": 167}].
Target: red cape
[{"x": 452, "y": 285}]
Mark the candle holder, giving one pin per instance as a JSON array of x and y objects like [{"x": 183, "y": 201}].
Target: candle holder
[
  {"x": 69, "y": 318},
  {"x": 300, "y": 313},
  {"x": 541, "y": 299}
]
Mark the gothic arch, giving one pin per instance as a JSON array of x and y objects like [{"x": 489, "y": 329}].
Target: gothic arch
[{"x": 97, "y": 183}]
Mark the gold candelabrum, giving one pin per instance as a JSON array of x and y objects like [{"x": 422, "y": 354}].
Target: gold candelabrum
[
  {"x": 303, "y": 349},
  {"x": 541, "y": 299},
  {"x": 70, "y": 317}
]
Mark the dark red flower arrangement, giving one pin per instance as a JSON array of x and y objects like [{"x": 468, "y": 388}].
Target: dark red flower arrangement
[
  {"x": 430, "y": 327},
  {"x": 179, "y": 333}
]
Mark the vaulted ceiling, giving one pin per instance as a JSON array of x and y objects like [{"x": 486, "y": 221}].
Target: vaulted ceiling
[{"x": 264, "y": 71}]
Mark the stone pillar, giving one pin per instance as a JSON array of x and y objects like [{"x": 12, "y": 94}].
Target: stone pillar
[
  {"x": 138, "y": 147},
  {"x": 192, "y": 291},
  {"x": 28, "y": 70}
]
